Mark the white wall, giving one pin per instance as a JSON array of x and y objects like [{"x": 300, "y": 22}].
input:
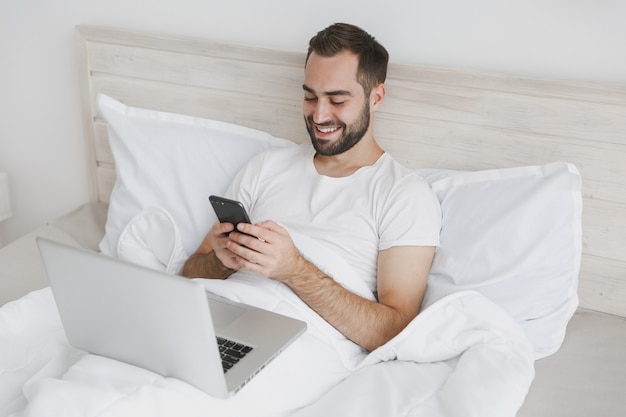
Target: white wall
[{"x": 40, "y": 128}]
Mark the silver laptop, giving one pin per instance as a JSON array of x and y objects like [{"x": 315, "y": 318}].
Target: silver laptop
[{"x": 161, "y": 322}]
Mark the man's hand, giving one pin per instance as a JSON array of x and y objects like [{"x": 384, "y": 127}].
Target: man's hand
[
  {"x": 213, "y": 259},
  {"x": 266, "y": 249}
]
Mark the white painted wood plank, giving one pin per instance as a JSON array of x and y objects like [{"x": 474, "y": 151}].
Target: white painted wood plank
[
  {"x": 196, "y": 70},
  {"x": 280, "y": 117},
  {"x": 509, "y": 111},
  {"x": 602, "y": 285}
]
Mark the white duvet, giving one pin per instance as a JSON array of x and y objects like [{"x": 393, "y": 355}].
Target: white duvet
[{"x": 462, "y": 356}]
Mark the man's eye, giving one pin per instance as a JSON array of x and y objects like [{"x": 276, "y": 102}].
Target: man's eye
[
  {"x": 337, "y": 103},
  {"x": 310, "y": 99}
]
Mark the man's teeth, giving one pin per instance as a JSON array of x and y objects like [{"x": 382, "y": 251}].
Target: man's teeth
[{"x": 327, "y": 129}]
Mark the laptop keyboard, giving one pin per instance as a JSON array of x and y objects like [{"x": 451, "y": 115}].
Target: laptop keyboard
[{"x": 231, "y": 352}]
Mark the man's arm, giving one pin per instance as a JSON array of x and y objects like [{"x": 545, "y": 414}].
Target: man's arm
[{"x": 402, "y": 275}]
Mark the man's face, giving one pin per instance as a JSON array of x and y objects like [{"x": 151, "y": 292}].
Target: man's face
[{"x": 336, "y": 111}]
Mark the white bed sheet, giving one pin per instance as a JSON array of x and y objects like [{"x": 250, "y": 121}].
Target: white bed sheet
[
  {"x": 465, "y": 356},
  {"x": 586, "y": 377}
]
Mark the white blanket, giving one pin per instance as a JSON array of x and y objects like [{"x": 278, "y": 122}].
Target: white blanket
[{"x": 462, "y": 356}]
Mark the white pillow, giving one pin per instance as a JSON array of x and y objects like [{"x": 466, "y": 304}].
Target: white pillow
[
  {"x": 173, "y": 162},
  {"x": 514, "y": 235}
]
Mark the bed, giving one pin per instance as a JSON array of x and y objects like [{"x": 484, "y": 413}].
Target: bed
[{"x": 525, "y": 313}]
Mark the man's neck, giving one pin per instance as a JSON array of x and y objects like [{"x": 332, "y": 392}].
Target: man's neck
[{"x": 364, "y": 153}]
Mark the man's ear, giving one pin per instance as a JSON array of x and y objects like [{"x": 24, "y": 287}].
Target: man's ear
[{"x": 377, "y": 96}]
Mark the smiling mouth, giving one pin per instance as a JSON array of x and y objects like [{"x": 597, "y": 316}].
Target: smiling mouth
[{"x": 326, "y": 130}]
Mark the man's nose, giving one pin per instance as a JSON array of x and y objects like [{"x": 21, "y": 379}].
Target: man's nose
[{"x": 322, "y": 112}]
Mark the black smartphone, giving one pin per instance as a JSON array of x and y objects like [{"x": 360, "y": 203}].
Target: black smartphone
[{"x": 229, "y": 211}]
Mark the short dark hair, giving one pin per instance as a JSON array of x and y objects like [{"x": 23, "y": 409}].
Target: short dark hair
[{"x": 339, "y": 37}]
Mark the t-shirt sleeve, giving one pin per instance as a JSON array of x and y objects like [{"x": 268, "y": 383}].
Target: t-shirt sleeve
[
  {"x": 244, "y": 185},
  {"x": 411, "y": 215}
]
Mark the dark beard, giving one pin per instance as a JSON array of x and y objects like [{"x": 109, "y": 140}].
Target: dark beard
[{"x": 350, "y": 137}]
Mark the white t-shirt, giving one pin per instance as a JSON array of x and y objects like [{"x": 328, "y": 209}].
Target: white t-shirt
[{"x": 375, "y": 208}]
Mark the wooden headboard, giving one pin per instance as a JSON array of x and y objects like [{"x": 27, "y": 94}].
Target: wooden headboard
[{"x": 432, "y": 117}]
